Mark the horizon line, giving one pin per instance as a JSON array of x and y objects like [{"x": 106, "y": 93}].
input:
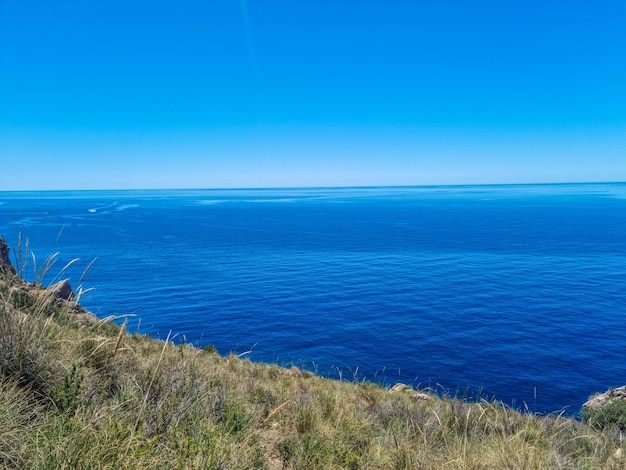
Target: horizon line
[{"x": 265, "y": 188}]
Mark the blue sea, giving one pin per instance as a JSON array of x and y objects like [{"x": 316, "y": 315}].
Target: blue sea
[{"x": 516, "y": 293}]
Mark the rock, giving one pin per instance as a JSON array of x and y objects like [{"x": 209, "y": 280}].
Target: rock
[
  {"x": 400, "y": 387},
  {"x": 5, "y": 262},
  {"x": 598, "y": 401},
  {"x": 22, "y": 292},
  {"x": 62, "y": 290}
]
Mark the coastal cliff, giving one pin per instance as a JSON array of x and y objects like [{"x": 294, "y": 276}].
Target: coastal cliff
[
  {"x": 5, "y": 263},
  {"x": 81, "y": 392}
]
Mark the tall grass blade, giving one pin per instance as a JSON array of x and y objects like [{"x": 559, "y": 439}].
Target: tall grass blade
[{"x": 82, "y": 276}]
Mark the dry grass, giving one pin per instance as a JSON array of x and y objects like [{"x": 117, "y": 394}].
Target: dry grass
[{"x": 77, "y": 395}]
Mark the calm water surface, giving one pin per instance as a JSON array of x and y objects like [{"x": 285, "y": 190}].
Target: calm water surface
[{"x": 518, "y": 291}]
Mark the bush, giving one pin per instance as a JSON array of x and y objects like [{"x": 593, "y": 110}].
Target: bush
[
  {"x": 613, "y": 414},
  {"x": 67, "y": 395}
]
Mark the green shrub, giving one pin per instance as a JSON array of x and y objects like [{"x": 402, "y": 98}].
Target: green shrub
[
  {"x": 613, "y": 414},
  {"x": 307, "y": 452},
  {"x": 67, "y": 395}
]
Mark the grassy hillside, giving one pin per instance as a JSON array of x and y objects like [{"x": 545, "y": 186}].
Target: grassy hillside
[{"x": 82, "y": 393}]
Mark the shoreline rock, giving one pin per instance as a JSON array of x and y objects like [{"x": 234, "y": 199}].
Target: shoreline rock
[{"x": 600, "y": 400}]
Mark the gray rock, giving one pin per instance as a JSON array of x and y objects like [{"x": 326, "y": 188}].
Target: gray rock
[
  {"x": 62, "y": 290},
  {"x": 598, "y": 401}
]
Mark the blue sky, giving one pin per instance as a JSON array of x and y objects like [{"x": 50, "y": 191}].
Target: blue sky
[{"x": 113, "y": 94}]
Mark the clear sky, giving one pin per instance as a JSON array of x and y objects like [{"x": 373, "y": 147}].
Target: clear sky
[{"x": 108, "y": 94}]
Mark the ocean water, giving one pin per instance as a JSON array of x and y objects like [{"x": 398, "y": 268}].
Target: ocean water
[{"x": 514, "y": 292}]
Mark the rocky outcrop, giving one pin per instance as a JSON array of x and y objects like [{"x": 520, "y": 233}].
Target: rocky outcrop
[
  {"x": 62, "y": 290},
  {"x": 62, "y": 294},
  {"x": 402, "y": 388},
  {"x": 31, "y": 294},
  {"x": 59, "y": 294},
  {"x": 5, "y": 262},
  {"x": 598, "y": 401}
]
